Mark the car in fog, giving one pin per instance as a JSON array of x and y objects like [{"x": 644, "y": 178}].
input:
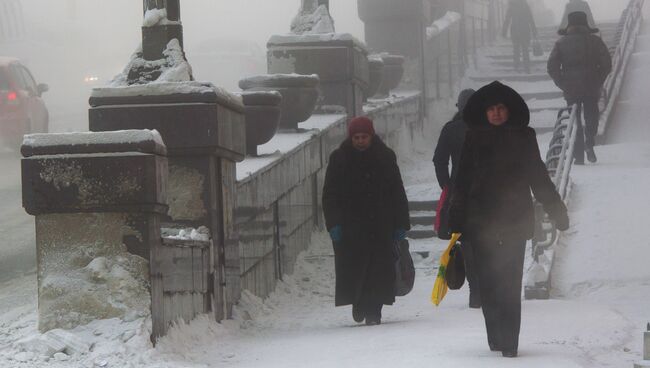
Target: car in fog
[{"x": 22, "y": 110}]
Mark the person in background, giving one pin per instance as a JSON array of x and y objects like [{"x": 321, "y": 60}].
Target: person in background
[
  {"x": 366, "y": 213},
  {"x": 519, "y": 20},
  {"x": 579, "y": 65},
  {"x": 577, "y": 6},
  {"x": 491, "y": 204},
  {"x": 450, "y": 144}
]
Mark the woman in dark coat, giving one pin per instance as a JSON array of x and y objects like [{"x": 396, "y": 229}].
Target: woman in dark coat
[
  {"x": 366, "y": 213},
  {"x": 450, "y": 145},
  {"x": 492, "y": 205}
]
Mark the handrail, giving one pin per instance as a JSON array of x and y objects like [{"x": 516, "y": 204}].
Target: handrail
[
  {"x": 628, "y": 31},
  {"x": 559, "y": 158}
]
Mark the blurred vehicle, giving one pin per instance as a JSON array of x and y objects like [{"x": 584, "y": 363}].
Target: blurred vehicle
[
  {"x": 22, "y": 110},
  {"x": 224, "y": 61}
]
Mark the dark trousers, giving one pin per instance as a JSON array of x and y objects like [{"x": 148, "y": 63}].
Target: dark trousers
[
  {"x": 500, "y": 267},
  {"x": 588, "y": 111},
  {"x": 520, "y": 49},
  {"x": 470, "y": 270}
]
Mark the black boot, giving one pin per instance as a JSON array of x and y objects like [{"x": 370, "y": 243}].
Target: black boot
[
  {"x": 358, "y": 314},
  {"x": 493, "y": 347},
  {"x": 509, "y": 353},
  {"x": 373, "y": 315},
  {"x": 474, "y": 299},
  {"x": 591, "y": 155}
]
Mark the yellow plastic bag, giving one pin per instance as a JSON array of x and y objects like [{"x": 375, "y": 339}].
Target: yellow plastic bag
[{"x": 440, "y": 286}]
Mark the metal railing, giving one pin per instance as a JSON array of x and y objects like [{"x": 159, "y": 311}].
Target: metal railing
[
  {"x": 559, "y": 161},
  {"x": 559, "y": 158},
  {"x": 627, "y": 33}
]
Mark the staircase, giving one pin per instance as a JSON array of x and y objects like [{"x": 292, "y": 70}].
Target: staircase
[{"x": 542, "y": 96}]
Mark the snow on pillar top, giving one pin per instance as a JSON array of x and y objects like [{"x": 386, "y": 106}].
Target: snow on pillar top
[
  {"x": 313, "y": 18},
  {"x": 143, "y": 141}
]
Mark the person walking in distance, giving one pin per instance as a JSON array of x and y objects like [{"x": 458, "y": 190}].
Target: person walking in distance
[
  {"x": 579, "y": 65},
  {"x": 366, "y": 213},
  {"x": 519, "y": 20},
  {"x": 491, "y": 204},
  {"x": 450, "y": 144}
]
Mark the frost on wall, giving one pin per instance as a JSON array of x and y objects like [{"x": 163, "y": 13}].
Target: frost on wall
[
  {"x": 81, "y": 278},
  {"x": 309, "y": 21},
  {"x": 185, "y": 188}
]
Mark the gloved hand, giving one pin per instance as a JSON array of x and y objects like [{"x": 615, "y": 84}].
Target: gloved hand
[
  {"x": 336, "y": 233},
  {"x": 399, "y": 234},
  {"x": 562, "y": 221}
]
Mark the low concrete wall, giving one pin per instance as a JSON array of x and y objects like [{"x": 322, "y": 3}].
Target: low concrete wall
[{"x": 278, "y": 205}]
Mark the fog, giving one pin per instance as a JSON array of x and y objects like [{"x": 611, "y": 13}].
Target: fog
[{"x": 70, "y": 41}]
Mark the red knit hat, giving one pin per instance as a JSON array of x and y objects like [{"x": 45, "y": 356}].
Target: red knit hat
[{"x": 360, "y": 124}]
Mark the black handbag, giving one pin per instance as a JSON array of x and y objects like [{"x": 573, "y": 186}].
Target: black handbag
[
  {"x": 405, "y": 270},
  {"x": 455, "y": 272}
]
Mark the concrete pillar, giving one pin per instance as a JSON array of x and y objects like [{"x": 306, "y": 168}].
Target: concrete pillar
[
  {"x": 155, "y": 38},
  {"x": 205, "y": 136},
  {"x": 398, "y": 27},
  {"x": 341, "y": 63},
  {"x": 98, "y": 200}
]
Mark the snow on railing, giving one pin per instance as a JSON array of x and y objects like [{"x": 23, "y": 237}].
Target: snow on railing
[
  {"x": 441, "y": 24},
  {"x": 628, "y": 31},
  {"x": 559, "y": 159}
]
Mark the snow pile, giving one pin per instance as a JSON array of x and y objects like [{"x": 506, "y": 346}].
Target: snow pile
[
  {"x": 317, "y": 22},
  {"x": 172, "y": 68},
  {"x": 101, "y": 343},
  {"x": 442, "y": 24},
  {"x": 107, "y": 287},
  {"x": 200, "y": 234},
  {"x": 157, "y": 17}
]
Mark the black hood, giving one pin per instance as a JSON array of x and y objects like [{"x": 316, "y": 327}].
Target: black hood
[{"x": 493, "y": 94}]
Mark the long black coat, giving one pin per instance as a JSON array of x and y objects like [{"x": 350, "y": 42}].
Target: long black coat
[
  {"x": 364, "y": 194},
  {"x": 519, "y": 20},
  {"x": 450, "y": 144},
  {"x": 498, "y": 168},
  {"x": 579, "y": 63}
]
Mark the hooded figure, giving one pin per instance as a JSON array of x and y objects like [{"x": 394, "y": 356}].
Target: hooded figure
[
  {"x": 519, "y": 20},
  {"x": 579, "y": 65},
  {"x": 366, "y": 212},
  {"x": 577, "y": 6},
  {"x": 450, "y": 145},
  {"x": 491, "y": 204}
]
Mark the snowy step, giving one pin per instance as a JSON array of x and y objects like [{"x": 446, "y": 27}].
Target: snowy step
[
  {"x": 422, "y": 205},
  {"x": 542, "y": 95},
  {"x": 423, "y": 220}
]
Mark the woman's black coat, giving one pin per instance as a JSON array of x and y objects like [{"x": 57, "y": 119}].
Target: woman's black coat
[
  {"x": 499, "y": 167},
  {"x": 364, "y": 194}
]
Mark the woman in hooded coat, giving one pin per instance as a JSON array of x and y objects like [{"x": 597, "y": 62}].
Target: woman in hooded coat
[
  {"x": 366, "y": 213},
  {"x": 492, "y": 205}
]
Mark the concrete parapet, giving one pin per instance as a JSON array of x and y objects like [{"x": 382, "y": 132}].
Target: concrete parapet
[
  {"x": 98, "y": 199},
  {"x": 205, "y": 135},
  {"x": 339, "y": 60}
]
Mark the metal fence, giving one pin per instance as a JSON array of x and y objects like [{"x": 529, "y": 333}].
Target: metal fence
[{"x": 559, "y": 158}]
